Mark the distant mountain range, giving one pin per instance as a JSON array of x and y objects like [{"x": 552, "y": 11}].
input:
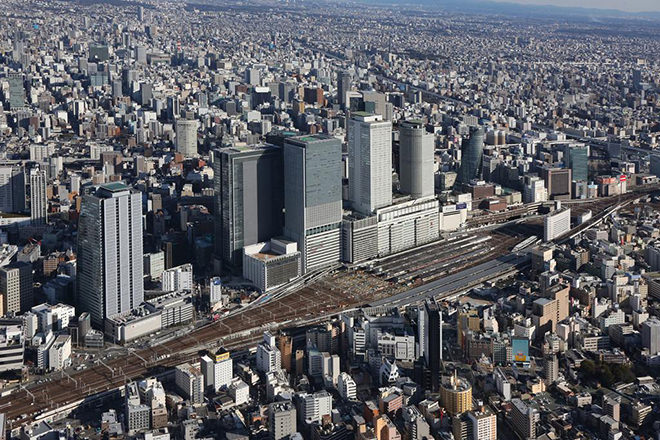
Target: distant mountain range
[{"x": 510, "y": 8}]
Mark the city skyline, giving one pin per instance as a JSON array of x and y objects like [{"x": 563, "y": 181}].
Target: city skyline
[{"x": 329, "y": 220}]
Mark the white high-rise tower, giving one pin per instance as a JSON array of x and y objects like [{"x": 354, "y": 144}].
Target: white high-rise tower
[
  {"x": 369, "y": 162},
  {"x": 38, "y": 198},
  {"x": 110, "y": 260}
]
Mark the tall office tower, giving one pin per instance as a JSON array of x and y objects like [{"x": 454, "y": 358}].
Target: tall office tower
[
  {"x": 558, "y": 182},
  {"x": 16, "y": 287},
  {"x": 650, "y": 331},
  {"x": 249, "y": 199},
  {"x": 282, "y": 420},
  {"x": 369, "y": 162},
  {"x": 110, "y": 257},
  {"x": 577, "y": 159},
  {"x": 16, "y": 91},
  {"x": 637, "y": 79},
  {"x": 343, "y": 87},
  {"x": 312, "y": 198},
  {"x": 141, "y": 54},
  {"x": 186, "y": 137},
  {"x": 140, "y": 14},
  {"x": 432, "y": 348},
  {"x": 416, "y": 151},
  {"x": 146, "y": 93},
  {"x": 12, "y": 189},
  {"x": 38, "y": 197},
  {"x": 471, "y": 156}
]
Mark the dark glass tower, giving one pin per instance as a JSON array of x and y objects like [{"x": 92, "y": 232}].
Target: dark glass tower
[
  {"x": 472, "y": 152},
  {"x": 249, "y": 190}
]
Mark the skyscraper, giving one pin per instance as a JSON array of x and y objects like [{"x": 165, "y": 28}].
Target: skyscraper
[
  {"x": 16, "y": 91},
  {"x": 38, "y": 198},
  {"x": 110, "y": 260},
  {"x": 369, "y": 162},
  {"x": 577, "y": 159},
  {"x": 343, "y": 86},
  {"x": 416, "y": 151},
  {"x": 432, "y": 348},
  {"x": 249, "y": 191},
  {"x": 186, "y": 137},
  {"x": 12, "y": 189},
  {"x": 312, "y": 198},
  {"x": 471, "y": 155}
]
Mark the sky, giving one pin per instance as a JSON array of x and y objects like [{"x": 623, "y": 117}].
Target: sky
[{"x": 623, "y": 5}]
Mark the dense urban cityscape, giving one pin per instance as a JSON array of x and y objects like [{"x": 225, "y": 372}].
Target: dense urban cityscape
[{"x": 328, "y": 220}]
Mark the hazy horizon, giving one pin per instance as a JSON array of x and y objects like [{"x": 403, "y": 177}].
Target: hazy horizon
[{"x": 630, "y": 6}]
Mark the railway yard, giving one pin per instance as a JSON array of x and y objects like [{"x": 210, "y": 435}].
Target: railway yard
[{"x": 442, "y": 268}]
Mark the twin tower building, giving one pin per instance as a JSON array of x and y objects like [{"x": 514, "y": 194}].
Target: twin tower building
[
  {"x": 295, "y": 192},
  {"x": 285, "y": 198}
]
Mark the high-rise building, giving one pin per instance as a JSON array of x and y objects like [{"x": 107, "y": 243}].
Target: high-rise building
[
  {"x": 282, "y": 420},
  {"x": 177, "y": 279},
  {"x": 416, "y": 157},
  {"x": 16, "y": 91},
  {"x": 312, "y": 198},
  {"x": 269, "y": 358},
  {"x": 190, "y": 382},
  {"x": 484, "y": 424},
  {"x": 110, "y": 258},
  {"x": 16, "y": 287},
  {"x": 430, "y": 340},
  {"x": 558, "y": 182},
  {"x": 316, "y": 406},
  {"x": 369, "y": 162},
  {"x": 472, "y": 152},
  {"x": 577, "y": 159},
  {"x": 556, "y": 224},
  {"x": 534, "y": 190},
  {"x": 456, "y": 395},
  {"x": 343, "y": 86},
  {"x": 524, "y": 419},
  {"x": 186, "y": 136},
  {"x": 12, "y": 346},
  {"x": 218, "y": 370},
  {"x": 38, "y": 197},
  {"x": 551, "y": 368},
  {"x": 346, "y": 386},
  {"x": 12, "y": 189},
  {"x": 249, "y": 199},
  {"x": 650, "y": 331}
]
